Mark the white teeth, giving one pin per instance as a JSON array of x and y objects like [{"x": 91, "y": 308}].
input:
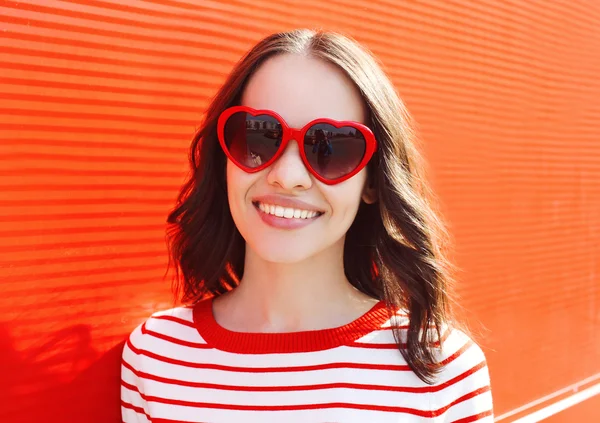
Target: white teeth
[{"x": 287, "y": 212}]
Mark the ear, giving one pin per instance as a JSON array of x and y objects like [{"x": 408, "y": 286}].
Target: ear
[{"x": 369, "y": 194}]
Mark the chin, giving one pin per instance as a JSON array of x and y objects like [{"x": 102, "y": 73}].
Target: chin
[{"x": 282, "y": 254}]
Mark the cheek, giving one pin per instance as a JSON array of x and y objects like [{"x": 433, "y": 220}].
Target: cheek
[
  {"x": 237, "y": 180},
  {"x": 239, "y": 187},
  {"x": 236, "y": 186},
  {"x": 345, "y": 198}
]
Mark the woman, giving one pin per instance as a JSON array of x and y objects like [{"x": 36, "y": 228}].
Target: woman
[
  {"x": 313, "y": 294},
  {"x": 322, "y": 149}
]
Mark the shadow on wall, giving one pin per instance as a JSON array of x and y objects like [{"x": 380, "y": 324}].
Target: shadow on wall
[{"x": 34, "y": 387}]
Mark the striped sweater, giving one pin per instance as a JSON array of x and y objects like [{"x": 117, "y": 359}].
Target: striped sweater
[{"x": 180, "y": 365}]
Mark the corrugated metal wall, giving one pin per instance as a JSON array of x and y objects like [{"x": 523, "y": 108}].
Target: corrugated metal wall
[{"x": 98, "y": 103}]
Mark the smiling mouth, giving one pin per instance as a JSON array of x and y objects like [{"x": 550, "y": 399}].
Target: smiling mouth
[{"x": 286, "y": 212}]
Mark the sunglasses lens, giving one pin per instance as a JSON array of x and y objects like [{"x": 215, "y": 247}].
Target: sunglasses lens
[
  {"x": 252, "y": 140},
  {"x": 334, "y": 152}
]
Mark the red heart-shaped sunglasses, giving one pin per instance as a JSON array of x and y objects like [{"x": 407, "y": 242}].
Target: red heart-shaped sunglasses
[{"x": 331, "y": 150}]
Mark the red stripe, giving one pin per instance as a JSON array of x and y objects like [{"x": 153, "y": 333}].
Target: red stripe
[
  {"x": 100, "y": 158},
  {"x": 89, "y": 130},
  {"x": 65, "y": 142},
  {"x": 394, "y": 346},
  {"x": 475, "y": 417},
  {"x": 414, "y": 411},
  {"x": 75, "y": 187},
  {"x": 100, "y": 88},
  {"x": 96, "y": 73},
  {"x": 51, "y": 54},
  {"x": 457, "y": 353},
  {"x": 376, "y": 346},
  {"x": 131, "y": 387},
  {"x": 95, "y": 45},
  {"x": 93, "y": 101},
  {"x": 339, "y": 365},
  {"x": 470, "y": 395},
  {"x": 199, "y": 345},
  {"x": 296, "y": 407},
  {"x": 139, "y": 410},
  {"x": 172, "y": 421},
  {"x": 185, "y": 29},
  {"x": 461, "y": 376},
  {"x": 176, "y": 320},
  {"x": 313, "y": 387},
  {"x": 31, "y": 171},
  {"x": 93, "y": 116}
]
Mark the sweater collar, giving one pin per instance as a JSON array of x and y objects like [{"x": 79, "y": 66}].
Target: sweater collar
[{"x": 223, "y": 339}]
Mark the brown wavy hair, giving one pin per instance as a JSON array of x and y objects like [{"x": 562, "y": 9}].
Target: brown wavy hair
[{"x": 394, "y": 250}]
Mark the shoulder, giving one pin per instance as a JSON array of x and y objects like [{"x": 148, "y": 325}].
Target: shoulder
[
  {"x": 162, "y": 319},
  {"x": 146, "y": 350},
  {"x": 171, "y": 326},
  {"x": 458, "y": 351},
  {"x": 462, "y": 388}
]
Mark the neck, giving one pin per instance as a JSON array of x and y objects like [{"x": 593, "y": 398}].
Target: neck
[{"x": 284, "y": 297}]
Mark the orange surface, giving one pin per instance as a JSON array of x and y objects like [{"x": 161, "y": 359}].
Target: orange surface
[
  {"x": 586, "y": 411},
  {"x": 99, "y": 100}
]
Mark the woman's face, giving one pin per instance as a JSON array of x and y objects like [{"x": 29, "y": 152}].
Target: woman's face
[{"x": 300, "y": 89}]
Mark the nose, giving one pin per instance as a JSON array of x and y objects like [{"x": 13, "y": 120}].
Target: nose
[{"x": 288, "y": 171}]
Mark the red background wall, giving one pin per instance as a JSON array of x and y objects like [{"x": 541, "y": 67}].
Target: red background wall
[{"x": 98, "y": 103}]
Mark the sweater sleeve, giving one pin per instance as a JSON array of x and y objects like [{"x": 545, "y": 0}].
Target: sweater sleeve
[
  {"x": 133, "y": 405},
  {"x": 466, "y": 385}
]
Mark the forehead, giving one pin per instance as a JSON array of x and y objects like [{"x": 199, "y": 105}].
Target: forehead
[{"x": 302, "y": 88}]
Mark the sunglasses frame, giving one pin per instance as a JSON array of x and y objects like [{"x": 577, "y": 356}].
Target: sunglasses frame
[{"x": 298, "y": 135}]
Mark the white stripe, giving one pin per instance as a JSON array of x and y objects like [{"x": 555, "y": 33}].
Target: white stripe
[
  {"x": 284, "y": 398},
  {"x": 133, "y": 398},
  {"x": 461, "y": 364},
  {"x": 560, "y": 405},
  {"x": 184, "y": 313},
  {"x": 327, "y": 395},
  {"x": 174, "y": 330},
  {"x": 464, "y": 362},
  {"x": 200, "y": 355},
  {"x": 385, "y": 334},
  {"x": 129, "y": 377},
  {"x": 130, "y": 416},
  {"x": 287, "y": 378},
  {"x": 475, "y": 405},
  {"x": 172, "y": 350},
  {"x": 398, "y": 320},
  {"x": 570, "y": 388}
]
